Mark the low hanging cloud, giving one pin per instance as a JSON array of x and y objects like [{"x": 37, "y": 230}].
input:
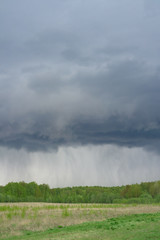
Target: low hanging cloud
[{"x": 104, "y": 165}]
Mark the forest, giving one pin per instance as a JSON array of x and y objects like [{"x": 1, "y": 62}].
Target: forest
[{"x": 145, "y": 192}]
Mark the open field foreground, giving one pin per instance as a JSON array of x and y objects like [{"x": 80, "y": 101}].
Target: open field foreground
[
  {"x": 133, "y": 227},
  {"x": 75, "y": 221}
]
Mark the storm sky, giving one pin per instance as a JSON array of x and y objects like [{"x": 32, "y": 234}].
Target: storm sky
[{"x": 79, "y": 91}]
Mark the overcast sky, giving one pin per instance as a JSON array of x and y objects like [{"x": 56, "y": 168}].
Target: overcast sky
[{"x": 79, "y": 91}]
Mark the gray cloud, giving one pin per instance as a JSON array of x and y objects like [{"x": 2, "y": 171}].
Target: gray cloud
[
  {"x": 152, "y": 8},
  {"x": 79, "y": 73},
  {"x": 113, "y": 104}
]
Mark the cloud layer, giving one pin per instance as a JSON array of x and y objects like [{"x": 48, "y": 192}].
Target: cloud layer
[{"x": 79, "y": 73}]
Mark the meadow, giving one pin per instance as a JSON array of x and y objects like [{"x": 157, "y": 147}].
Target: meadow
[{"x": 79, "y": 221}]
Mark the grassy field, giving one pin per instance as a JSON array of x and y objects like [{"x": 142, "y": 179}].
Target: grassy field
[{"x": 75, "y": 221}]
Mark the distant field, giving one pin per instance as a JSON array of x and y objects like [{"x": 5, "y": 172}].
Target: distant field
[{"x": 48, "y": 221}]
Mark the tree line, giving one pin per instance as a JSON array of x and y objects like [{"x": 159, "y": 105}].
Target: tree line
[{"x": 146, "y": 192}]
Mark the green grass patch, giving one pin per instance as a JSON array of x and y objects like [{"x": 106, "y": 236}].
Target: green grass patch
[
  {"x": 132, "y": 227},
  {"x": 66, "y": 213},
  {"x": 9, "y": 208}
]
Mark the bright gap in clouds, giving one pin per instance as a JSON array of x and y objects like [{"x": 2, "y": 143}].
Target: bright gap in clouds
[{"x": 105, "y": 165}]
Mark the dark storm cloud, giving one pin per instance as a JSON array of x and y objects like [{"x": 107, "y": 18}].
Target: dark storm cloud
[
  {"x": 118, "y": 105},
  {"x": 75, "y": 72}
]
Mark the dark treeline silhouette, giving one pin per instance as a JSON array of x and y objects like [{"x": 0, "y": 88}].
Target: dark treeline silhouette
[{"x": 146, "y": 192}]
